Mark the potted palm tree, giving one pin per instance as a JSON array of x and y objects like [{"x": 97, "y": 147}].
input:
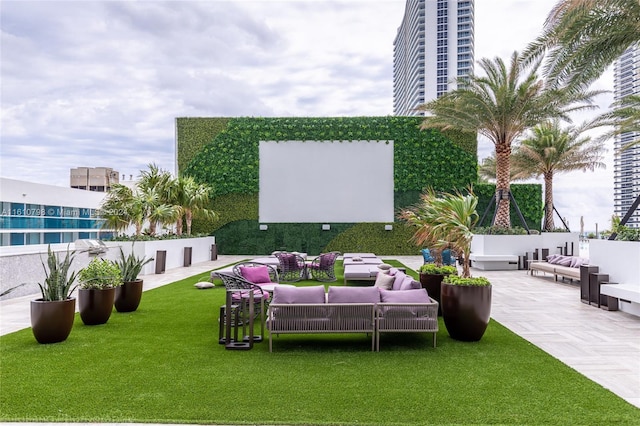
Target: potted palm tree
[
  {"x": 128, "y": 295},
  {"x": 98, "y": 282},
  {"x": 448, "y": 219},
  {"x": 431, "y": 274},
  {"x": 52, "y": 315}
]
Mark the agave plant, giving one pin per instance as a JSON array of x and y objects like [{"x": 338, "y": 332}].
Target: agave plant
[
  {"x": 131, "y": 265},
  {"x": 58, "y": 283}
]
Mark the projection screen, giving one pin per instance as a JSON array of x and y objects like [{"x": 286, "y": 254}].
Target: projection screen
[{"x": 326, "y": 181}]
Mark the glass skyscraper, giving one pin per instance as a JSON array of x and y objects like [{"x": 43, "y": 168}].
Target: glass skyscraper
[
  {"x": 434, "y": 45},
  {"x": 626, "y": 166}
]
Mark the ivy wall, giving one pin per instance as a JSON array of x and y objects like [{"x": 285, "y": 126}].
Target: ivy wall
[{"x": 223, "y": 152}]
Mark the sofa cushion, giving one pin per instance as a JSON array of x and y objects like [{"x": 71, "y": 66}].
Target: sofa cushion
[
  {"x": 290, "y": 295},
  {"x": 341, "y": 294},
  {"x": 405, "y": 296},
  {"x": 384, "y": 281},
  {"x": 255, "y": 274},
  {"x": 399, "y": 278}
]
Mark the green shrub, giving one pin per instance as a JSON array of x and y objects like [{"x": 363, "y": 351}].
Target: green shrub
[
  {"x": 473, "y": 281},
  {"x": 100, "y": 274},
  {"x": 432, "y": 269}
]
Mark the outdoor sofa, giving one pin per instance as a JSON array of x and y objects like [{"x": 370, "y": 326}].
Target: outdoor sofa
[
  {"x": 559, "y": 265},
  {"x": 342, "y": 309}
]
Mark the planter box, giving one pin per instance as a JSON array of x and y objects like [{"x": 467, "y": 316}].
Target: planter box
[
  {"x": 620, "y": 260},
  {"x": 175, "y": 249}
]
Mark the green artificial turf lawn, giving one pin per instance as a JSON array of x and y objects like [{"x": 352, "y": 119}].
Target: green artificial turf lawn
[{"x": 163, "y": 364}]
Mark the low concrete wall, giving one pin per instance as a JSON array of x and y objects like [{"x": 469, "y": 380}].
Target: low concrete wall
[{"x": 23, "y": 264}]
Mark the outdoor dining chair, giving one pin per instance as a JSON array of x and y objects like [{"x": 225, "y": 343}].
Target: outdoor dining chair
[{"x": 291, "y": 267}]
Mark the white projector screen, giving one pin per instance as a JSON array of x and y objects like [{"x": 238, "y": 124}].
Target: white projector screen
[{"x": 326, "y": 181}]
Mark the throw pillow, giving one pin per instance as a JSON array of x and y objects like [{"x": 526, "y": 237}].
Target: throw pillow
[
  {"x": 289, "y": 295},
  {"x": 341, "y": 294},
  {"x": 255, "y": 274},
  {"x": 564, "y": 261},
  {"x": 385, "y": 267},
  {"x": 552, "y": 257},
  {"x": 409, "y": 284},
  {"x": 576, "y": 262},
  {"x": 384, "y": 281},
  {"x": 203, "y": 285},
  {"x": 399, "y": 278}
]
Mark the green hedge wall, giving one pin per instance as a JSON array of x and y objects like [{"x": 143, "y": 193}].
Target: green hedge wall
[
  {"x": 528, "y": 197},
  {"x": 230, "y": 162},
  {"x": 194, "y": 134},
  {"x": 224, "y": 153}
]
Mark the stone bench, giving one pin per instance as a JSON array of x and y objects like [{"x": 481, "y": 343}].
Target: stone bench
[{"x": 494, "y": 262}]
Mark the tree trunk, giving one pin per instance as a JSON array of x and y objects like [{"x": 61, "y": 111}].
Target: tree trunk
[
  {"x": 503, "y": 185},
  {"x": 548, "y": 202},
  {"x": 188, "y": 216},
  {"x": 179, "y": 225}
]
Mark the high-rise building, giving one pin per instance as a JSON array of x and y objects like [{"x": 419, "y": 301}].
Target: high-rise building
[
  {"x": 433, "y": 47},
  {"x": 97, "y": 179},
  {"x": 626, "y": 166}
]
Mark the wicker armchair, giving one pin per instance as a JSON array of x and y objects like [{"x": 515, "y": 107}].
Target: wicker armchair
[
  {"x": 244, "y": 302},
  {"x": 256, "y": 276},
  {"x": 322, "y": 268},
  {"x": 291, "y": 268}
]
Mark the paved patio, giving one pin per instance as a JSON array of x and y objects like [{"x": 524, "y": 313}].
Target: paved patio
[{"x": 604, "y": 346}]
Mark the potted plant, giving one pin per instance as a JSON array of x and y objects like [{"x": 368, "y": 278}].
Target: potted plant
[
  {"x": 128, "y": 295},
  {"x": 431, "y": 276},
  {"x": 98, "y": 282},
  {"x": 448, "y": 220},
  {"x": 52, "y": 315}
]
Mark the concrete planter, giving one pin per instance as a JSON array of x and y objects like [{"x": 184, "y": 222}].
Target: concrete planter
[
  {"x": 619, "y": 259},
  {"x": 174, "y": 251}
]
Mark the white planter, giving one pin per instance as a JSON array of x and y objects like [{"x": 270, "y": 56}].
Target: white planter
[
  {"x": 516, "y": 245},
  {"x": 554, "y": 240},
  {"x": 201, "y": 251},
  {"x": 619, "y": 259}
]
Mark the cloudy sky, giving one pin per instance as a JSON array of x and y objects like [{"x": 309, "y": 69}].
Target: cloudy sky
[{"x": 99, "y": 83}]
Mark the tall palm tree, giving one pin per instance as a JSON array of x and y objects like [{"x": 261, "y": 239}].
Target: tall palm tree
[
  {"x": 581, "y": 38},
  {"x": 550, "y": 150},
  {"x": 501, "y": 106}
]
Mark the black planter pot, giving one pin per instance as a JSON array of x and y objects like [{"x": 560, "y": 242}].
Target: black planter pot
[
  {"x": 466, "y": 310},
  {"x": 431, "y": 282},
  {"x": 95, "y": 306},
  {"x": 51, "y": 322},
  {"x": 128, "y": 295}
]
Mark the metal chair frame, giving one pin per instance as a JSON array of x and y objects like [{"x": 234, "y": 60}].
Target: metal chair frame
[
  {"x": 321, "y": 269},
  {"x": 240, "y": 312}
]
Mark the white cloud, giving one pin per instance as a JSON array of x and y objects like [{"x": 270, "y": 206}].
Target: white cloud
[{"x": 99, "y": 83}]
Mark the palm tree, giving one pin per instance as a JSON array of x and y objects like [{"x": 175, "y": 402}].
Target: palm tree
[
  {"x": 581, "y": 38},
  {"x": 190, "y": 198},
  {"x": 121, "y": 207},
  {"x": 445, "y": 220},
  {"x": 550, "y": 150},
  {"x": 625, "y": 117},
  {"x": 502, "y": 106},
  {"x": 154, "y": 187}
]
